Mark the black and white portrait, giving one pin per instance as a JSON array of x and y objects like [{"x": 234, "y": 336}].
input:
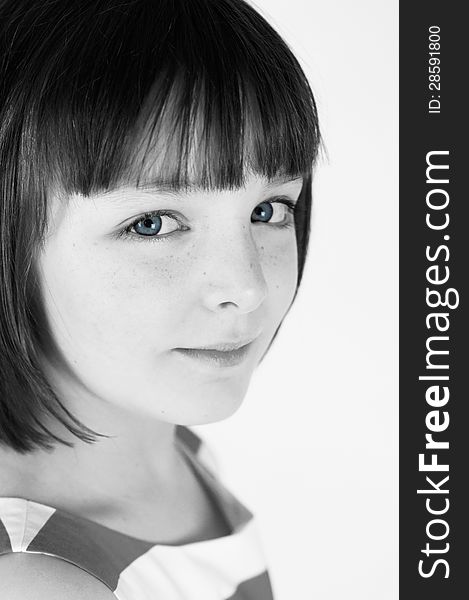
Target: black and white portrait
[{"x": 198, "y": 300}]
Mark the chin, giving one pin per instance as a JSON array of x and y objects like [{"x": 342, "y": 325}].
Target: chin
[{"x": 203, "y": 411}]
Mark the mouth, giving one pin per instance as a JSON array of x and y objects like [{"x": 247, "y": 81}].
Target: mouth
[{"x": 219, "y": 355}]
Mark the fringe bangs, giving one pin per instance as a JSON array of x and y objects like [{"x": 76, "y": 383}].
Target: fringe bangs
[{"x": 184, "y": 93}]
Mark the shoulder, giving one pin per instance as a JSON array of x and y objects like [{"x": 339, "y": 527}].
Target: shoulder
[{"x": 28, "y": 576}]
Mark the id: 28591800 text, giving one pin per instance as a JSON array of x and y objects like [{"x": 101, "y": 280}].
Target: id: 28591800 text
[{"x": 434, "y": 69}]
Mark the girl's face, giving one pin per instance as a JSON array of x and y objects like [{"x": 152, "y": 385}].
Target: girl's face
[{"x": 135, "y": 278}]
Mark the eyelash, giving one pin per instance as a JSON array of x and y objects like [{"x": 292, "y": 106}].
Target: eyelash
[{"x": 127, "y": 231}]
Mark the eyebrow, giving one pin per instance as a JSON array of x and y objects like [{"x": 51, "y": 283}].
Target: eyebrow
[
  {"x": 282, "y": 180},
  {"x": 168, "y": 189},
  {"x": 164, "y": 188}
]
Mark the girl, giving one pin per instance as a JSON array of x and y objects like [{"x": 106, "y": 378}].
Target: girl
[{"x": 156, "y": 161}]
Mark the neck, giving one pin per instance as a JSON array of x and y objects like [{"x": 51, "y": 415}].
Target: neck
[{"x": 139, "y": 461}]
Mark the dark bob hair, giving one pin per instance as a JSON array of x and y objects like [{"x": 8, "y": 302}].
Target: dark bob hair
[{"x": 95, "y": 94}]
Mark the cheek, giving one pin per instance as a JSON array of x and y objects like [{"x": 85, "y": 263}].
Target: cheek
[
  {"x": 107, "y": 297},
  {"x": 279, "y": 261}
]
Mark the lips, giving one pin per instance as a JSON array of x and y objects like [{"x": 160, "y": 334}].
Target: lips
[
  {"x": 227, "y": 354},
  {"x": 224, "y": 346}
]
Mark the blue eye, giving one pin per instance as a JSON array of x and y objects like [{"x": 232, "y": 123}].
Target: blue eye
[
  {"x": 148, "y": 225},
  {"x": 157, "y": 225},
  {"x": 276, "y": 212},
  {"x": 263, "y": 212}
]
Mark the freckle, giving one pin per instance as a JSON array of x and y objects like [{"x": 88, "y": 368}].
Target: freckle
[{"x": 204, "y": 273}]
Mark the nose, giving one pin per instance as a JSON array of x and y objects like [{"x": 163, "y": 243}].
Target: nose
[{"x": 235, "y": 280}]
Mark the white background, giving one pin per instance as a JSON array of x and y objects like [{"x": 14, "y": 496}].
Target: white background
[{"x": 313, "y": 449}]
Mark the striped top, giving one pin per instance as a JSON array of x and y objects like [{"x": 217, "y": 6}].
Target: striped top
[{"x": 231, "y": 567}]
